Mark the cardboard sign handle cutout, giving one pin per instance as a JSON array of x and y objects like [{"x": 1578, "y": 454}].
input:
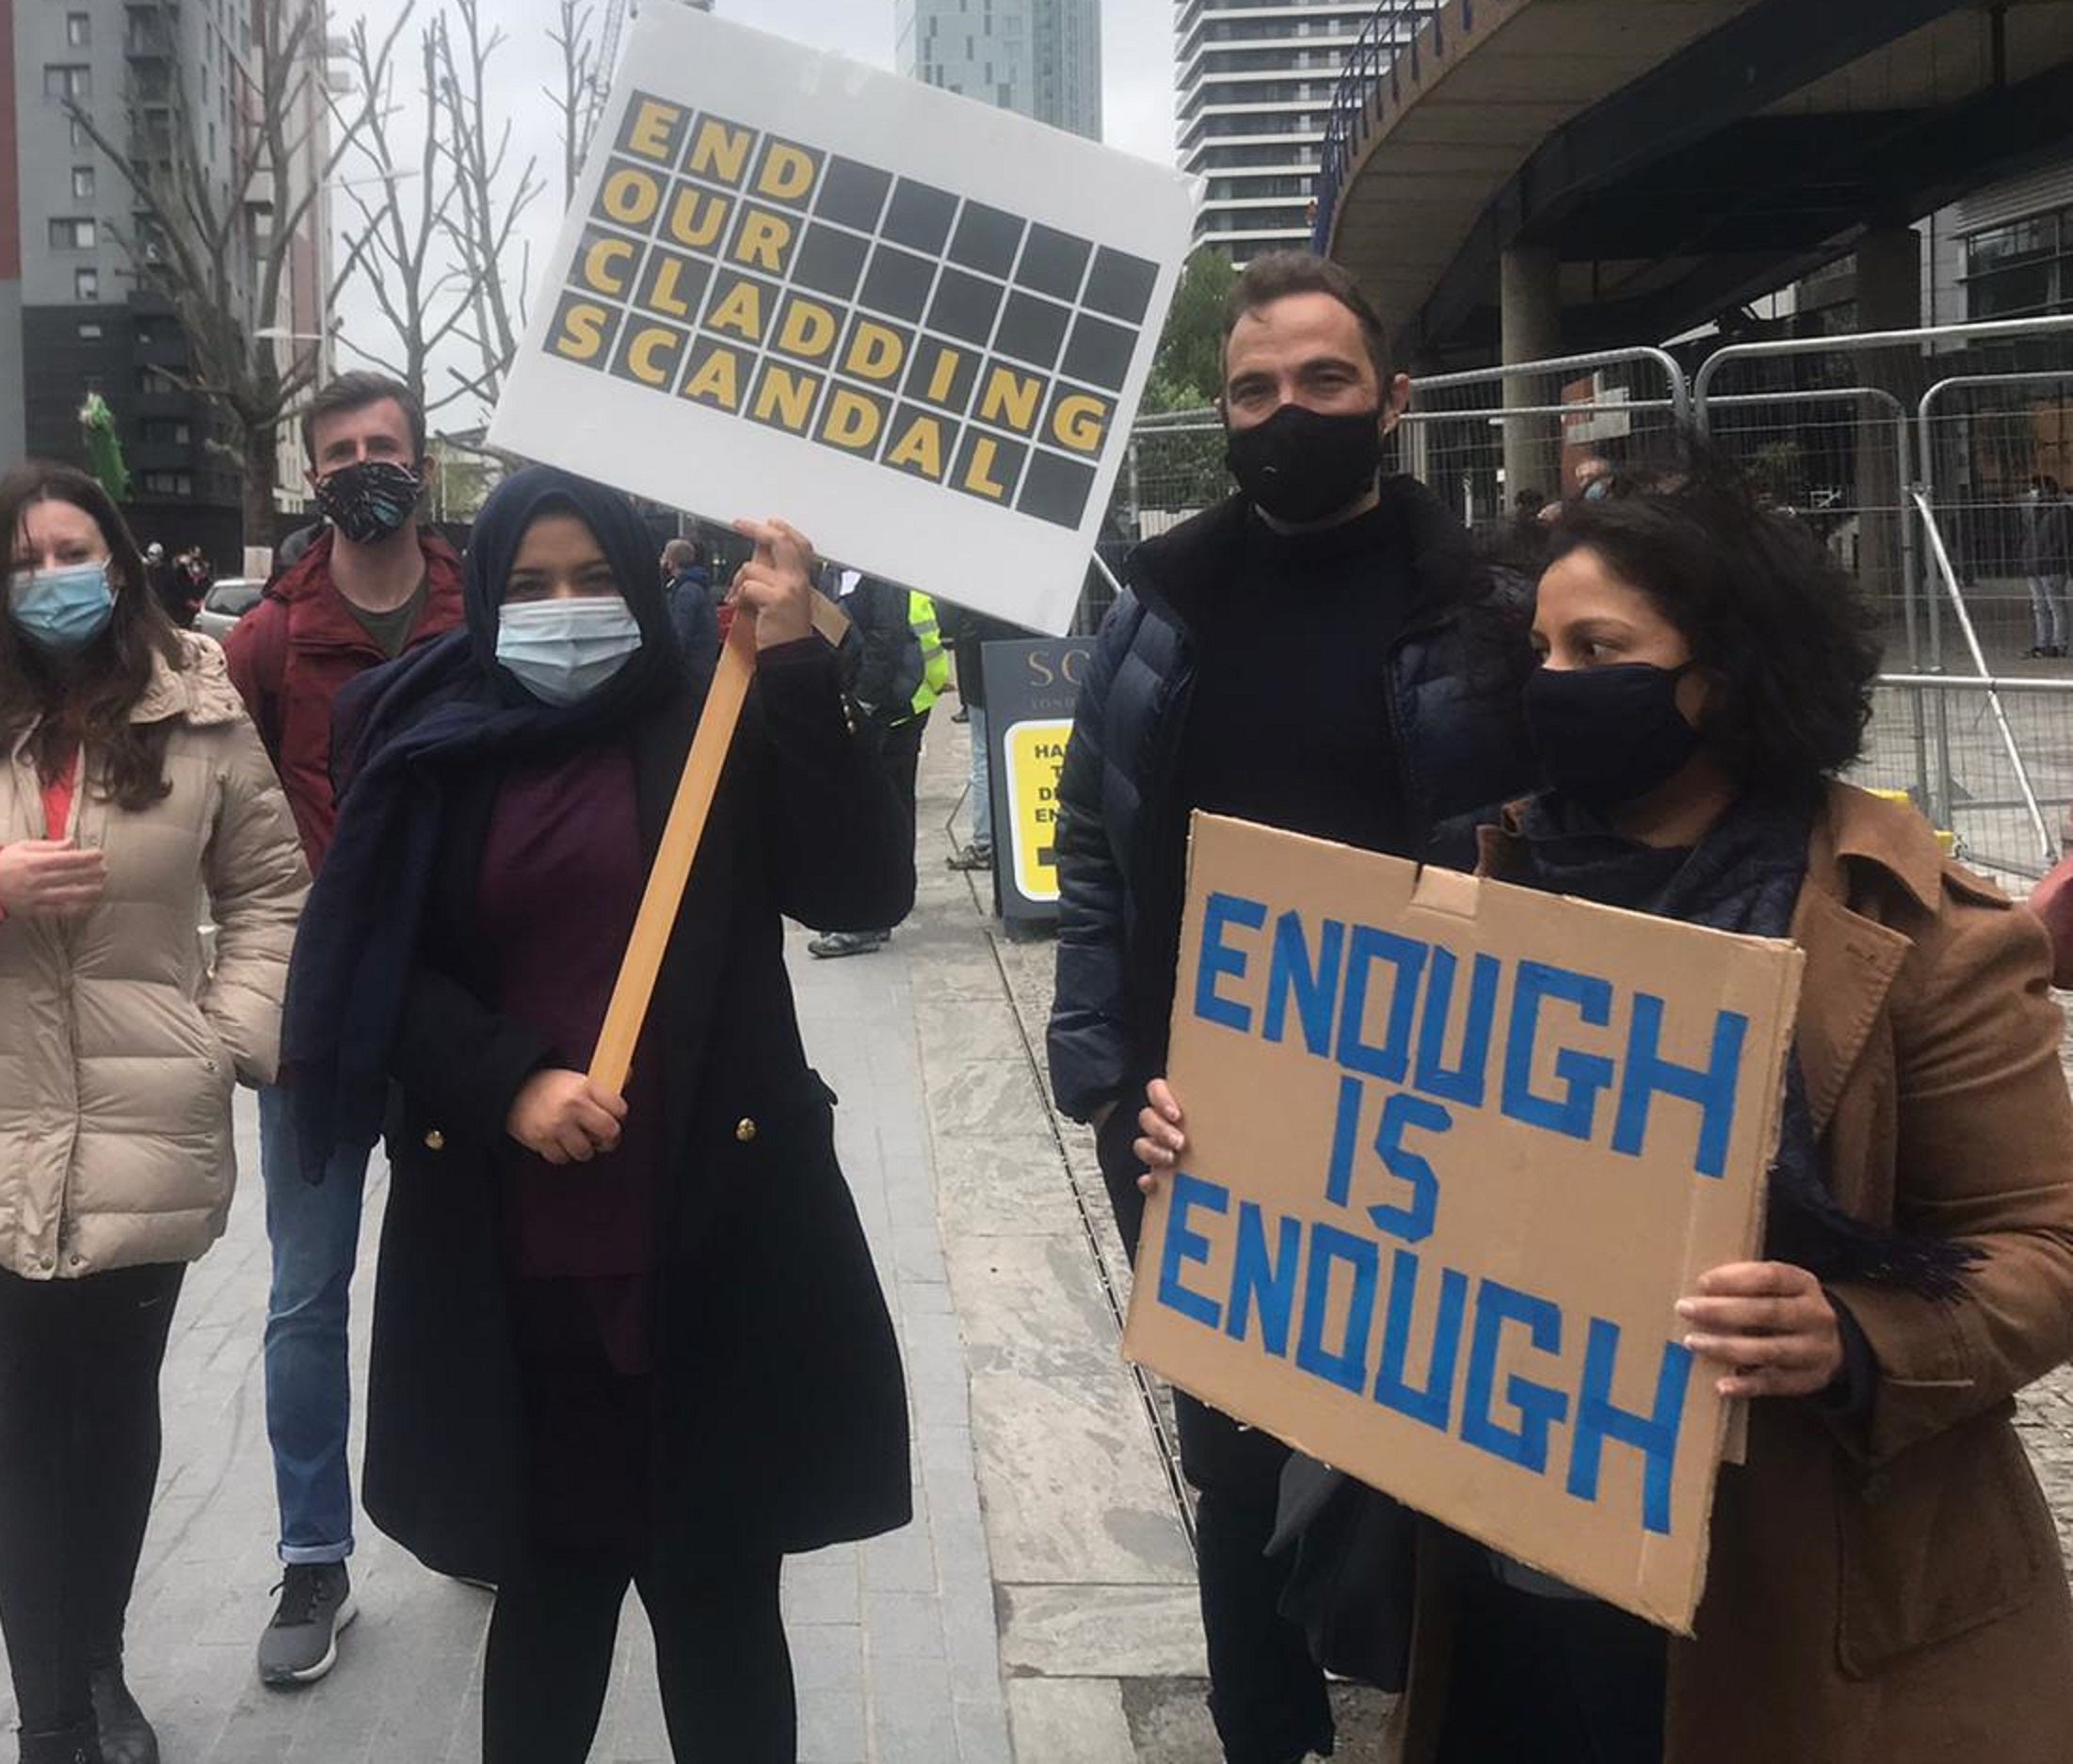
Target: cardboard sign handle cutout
[{"x": 681, "y": 836}]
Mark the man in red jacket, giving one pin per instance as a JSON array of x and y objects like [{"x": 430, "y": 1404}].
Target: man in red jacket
[{"x": 369, "y": 588}]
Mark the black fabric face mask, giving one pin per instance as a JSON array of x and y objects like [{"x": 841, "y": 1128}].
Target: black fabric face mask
[
  {"x": 1302, "y": 465},
  {"x": 1607, "y": 735},
  {"x": 370, "y": 498}
]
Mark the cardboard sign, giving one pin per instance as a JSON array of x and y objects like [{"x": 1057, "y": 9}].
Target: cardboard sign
[
  {"x": 1031, "y": 689},
  {"x": 916, "y": 325},
  {"x": 1457, "y": 1148}
]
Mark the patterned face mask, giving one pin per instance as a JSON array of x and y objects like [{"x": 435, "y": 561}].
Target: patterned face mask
[{"x": 368, "y": 501}]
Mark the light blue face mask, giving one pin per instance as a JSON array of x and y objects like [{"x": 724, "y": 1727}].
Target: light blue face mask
[
  {"x": 61, "y": 609},
  {"x": 563, "y": 650}
]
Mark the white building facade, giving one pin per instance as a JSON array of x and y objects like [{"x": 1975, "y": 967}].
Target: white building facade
[{"x": 1040, "y": 59}]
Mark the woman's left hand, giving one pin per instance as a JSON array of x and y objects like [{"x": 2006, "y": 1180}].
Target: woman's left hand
[
  {"x": 776, "y": 586},
  {"x": 1770, "y": 1324}
]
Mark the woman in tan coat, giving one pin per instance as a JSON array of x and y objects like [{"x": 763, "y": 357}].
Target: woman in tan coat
[
  {"x": 135, "y": 801},
  {"x": 1885, "y": 1585}
]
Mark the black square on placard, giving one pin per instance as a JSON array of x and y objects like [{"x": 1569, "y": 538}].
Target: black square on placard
[
  {"x": 920, "y": 443},
  {"x": 696, "y": 218},
  {"x": 1010, "y": 397},
  {"x": 764, "y": 239},
  {"x": 965, "y": 305},
  {"x": 786, "y": 396},
  {"x": 740, "y": 307},
  {"x": 1054, "y": 262},
  {"x": 1100, "y": 352},
  {"x": 787, "y": 173},
  {"x": 897, "y": 283},
  {"x": 606, "y": 264},
  {"x": 876, "y": 352},
  {"x": 718, "y": 374},
  {"x": 673, "y": 285},
  {"x": 854, "y": 419},
  {"x": 919, "y": 216},
  {"x": 1121, "y": 286},
  {"x": 1078, "y": 419},
  {"x": 1033, "y": 331},
  {"x": 989, "y": 467},
  {"x": 830, "y": 262},
  {"x": 653, "y": 129},
  {"x": 1055, "y": 489},
  {"x": 649, "y": 353},
  {"x": 630, "y": 196},
  {"x": 585, "y": 329},
  {"x": 808, "y": 330},
  {"x": 944, "y": 374},
  {"x": 986, "y": 239},
  {"x": 853, "y": 194}
]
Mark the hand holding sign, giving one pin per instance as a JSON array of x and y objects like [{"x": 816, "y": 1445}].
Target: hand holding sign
[
  {"x": 775, "y": 588},
  {"x": 565, "y": 1117},
  {"x": 1771, "y": 1324}
]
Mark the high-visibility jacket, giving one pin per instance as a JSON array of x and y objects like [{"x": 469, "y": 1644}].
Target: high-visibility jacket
[{"x": 928, "y": 636}]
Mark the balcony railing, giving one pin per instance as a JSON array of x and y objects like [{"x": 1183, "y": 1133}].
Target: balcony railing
[{"x": 1389, "y": 47}]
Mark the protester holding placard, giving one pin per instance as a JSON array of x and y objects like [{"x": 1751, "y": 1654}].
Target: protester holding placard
[
  {"x": 1315, "y": 652},
  {"x": 1885, "y": 1583},
  {"x": 671, "y": 1364}
]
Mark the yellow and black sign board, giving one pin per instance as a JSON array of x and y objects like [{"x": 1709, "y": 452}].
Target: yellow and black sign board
[{"x": 1030, "y": 689}]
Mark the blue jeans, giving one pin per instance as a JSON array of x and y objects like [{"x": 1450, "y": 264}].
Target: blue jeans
[
  {"x": 982, "y": 804},
  {"x": 315, "y": 1230}
]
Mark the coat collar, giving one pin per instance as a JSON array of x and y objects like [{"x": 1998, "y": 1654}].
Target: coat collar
[{"x": 197, "y": 691}]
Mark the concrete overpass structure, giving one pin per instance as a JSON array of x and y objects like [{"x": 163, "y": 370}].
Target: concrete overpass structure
[{"x": 1519, "y": 179}]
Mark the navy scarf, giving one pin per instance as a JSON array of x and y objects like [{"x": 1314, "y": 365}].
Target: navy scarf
[{"x": 402, "y": 732}]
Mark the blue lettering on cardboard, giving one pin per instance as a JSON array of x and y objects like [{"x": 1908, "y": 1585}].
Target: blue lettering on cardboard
[
  {"x": 1347, "y": 1363},
  {"x": 1183, "y": 1245},
  {"x": 1392, "y": 1058},
  {"x": 1650, "y": 1075},
  {"x": 1584, "y": 1074},
  {"x": 1654, "y": 1434},
  {"x": 1218, "y": 959},
  {"x": 1466, "y": 1082},
  {"x": 1312, "y": 985},
  {"x": 1539, "y": 1407},
  {"x": 1433, "y": 1405},
  {"x": 1263, "y": 1286}
]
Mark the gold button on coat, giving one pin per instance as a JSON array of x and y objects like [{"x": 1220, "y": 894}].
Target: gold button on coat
[
  {"x": 435, "y": 1141},
  {"x": 744, "y": 1130}
]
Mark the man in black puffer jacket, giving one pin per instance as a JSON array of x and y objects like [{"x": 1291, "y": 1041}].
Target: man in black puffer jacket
[{"x": 1321, "y": 653}]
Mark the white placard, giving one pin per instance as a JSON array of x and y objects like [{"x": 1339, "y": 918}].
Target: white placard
[{"x": 913, "y": 325}]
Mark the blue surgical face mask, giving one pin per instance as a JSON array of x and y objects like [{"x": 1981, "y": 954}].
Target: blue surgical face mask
[
  {"x": 563, "y": 650},
  {"x": 62, "y": 609}
]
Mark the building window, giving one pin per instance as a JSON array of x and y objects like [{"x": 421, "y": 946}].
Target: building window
[
  {"x": 89, "y": 333},
  {"x": 61, "y": 81},
  {"x": 86, "y": 285},
  {"x": 169, "y": 484},
  {"x": 72, "y": 234},
  {"x": 2019, "y": 269},
  {"x": 78, "y": 30},
  {"x": 166, "y": 431},
  {"x": 79, "y": 135},
  {"x": 82, "y": 184}
]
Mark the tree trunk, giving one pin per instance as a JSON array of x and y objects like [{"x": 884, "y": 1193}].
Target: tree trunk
[{"x": 261, "y": 518}]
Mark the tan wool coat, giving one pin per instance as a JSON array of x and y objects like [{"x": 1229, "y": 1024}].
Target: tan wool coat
[
  {"x": 119, "y": 1046},
  {"x": 1888, "y": 1589}
]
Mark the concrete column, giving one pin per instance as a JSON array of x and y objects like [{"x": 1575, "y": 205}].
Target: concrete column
[{"x": 1530, "y": 306}]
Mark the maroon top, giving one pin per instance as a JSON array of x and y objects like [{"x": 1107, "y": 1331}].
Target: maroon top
[{"x": 561, "y": 881}]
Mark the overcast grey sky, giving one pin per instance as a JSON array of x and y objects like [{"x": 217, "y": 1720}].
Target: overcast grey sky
[{"x": 1137, "y": 91}]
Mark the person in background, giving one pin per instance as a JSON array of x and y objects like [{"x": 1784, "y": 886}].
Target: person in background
[
  {"x": 1382, "y": 711},
  {"x": 687, "y": 591},
  {"x": 898, "y": 669},
  {"x": 1884, "y": 1580},
  {"x": 670, "y": 1365},
  {"x": 367, "y": 587},
  {"x": 969, "y": 633},
  {"x": 2047, "y": 562},
  {"x": 137, "y": 791}
]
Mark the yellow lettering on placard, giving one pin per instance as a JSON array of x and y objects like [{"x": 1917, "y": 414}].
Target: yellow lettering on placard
[
  {"x": 920, "y": 447},
  {"x": 630, "y": 197},
  {"x": 649, "y": 137},
  {"x": 665, "y": 287},
  {"x": 598, "y": 263},
  {"x": 717, "y": 380},
  {"x": 1080, "y": 423},
  {"x": 979, "y": 476},
  {"x": 764, "y": 240},
  {"x": 943, "y": 382},
  {"x": 740, "y": 310},
  {"x": 582, "y": 334},
  {"x": 1012, "y": 398},
  {"x": 808, "y": 330},
  {"x": 786, "y": 395},
  {"x": 787, "y": 173},
  {"x": 640, "y": 354},
  {"x": 697, "y": 218},
  {"x": 720, "y": 150},
  {"x": 874, "y": 352},
  {"x": 852, "y": 421}
]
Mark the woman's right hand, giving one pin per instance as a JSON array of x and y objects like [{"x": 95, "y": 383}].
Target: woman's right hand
[
  {"x": 50, "y": 879},
  {"x": 1161, "y": 1134},
  {"x": 565, "y": 1118}
]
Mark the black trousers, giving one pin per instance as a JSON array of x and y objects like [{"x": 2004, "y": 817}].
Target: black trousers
[
  {"x": 721, "y": 1659},
  {"x": 1267, "y": 1695},
  {"x": 79, "y": 1448}
]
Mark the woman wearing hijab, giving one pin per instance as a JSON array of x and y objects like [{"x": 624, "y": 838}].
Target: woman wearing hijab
[
  {"x": 1885, "y": 1584},
  {"x": 136, "y": 800},
  {"x": 619, "y": 1339}
]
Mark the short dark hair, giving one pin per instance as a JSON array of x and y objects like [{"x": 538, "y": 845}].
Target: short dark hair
[
  {"x": 1277, "y": 275},
  {"x": 355, "y": 391},
  {"x": 1768, "y": 612}
]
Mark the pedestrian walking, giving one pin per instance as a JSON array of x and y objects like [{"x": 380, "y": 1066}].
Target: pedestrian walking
[
  {"x": 367, "y": 586},
  {"x": 1883, "y": 1579},
  {"x": 969, "y": 633},
  {"x": 2047, "y": 563},
  {"x": 672, "y": 1365},
  {"x": 136, "y": 792},
  {"x": 1374, "y": 701}
]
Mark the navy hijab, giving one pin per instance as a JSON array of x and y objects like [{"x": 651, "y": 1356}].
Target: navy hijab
[{"x": 401, "y": 732}]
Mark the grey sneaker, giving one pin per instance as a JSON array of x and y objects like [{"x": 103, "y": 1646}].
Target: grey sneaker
[
  {"x": 301, "y": 1644},
  {"x": 849, "y": 942}
]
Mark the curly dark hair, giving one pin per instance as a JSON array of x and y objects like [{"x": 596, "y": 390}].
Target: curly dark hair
[
  {"x": 1769, "y": 616},
  {"x": 88, "y": 704}
]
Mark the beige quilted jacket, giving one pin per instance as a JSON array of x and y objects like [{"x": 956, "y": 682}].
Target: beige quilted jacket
[{"x": 119, "y": 1045}]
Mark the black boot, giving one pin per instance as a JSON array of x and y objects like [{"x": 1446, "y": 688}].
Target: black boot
[
  {"x": 75, "y": 1745},
  {"x": 126, "y": 1736}
]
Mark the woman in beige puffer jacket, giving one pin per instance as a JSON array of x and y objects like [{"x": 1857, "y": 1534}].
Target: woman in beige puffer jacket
[{"x": 121, "y": 1045}]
